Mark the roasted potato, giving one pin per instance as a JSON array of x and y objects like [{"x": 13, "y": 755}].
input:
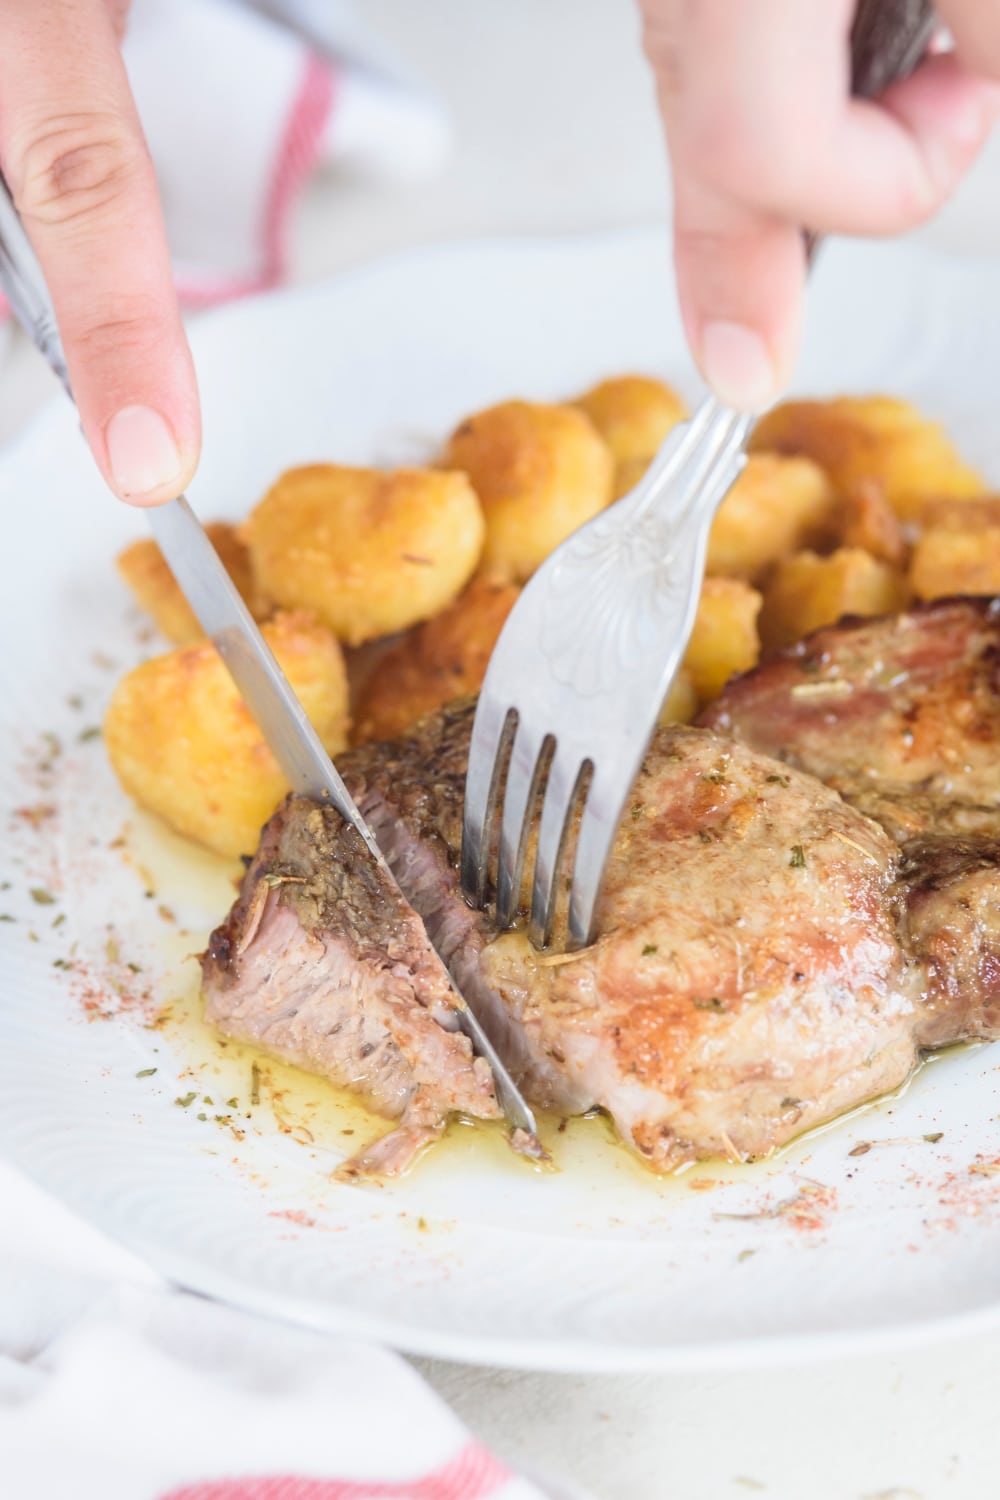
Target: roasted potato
[
  {"x": 370, "y": 553},
  {"x": 633, "y": 414},
  {"x": 724, "y": 639},
  {"x": 183, "y": 744},
  {"x": 865, "y": 519},
  {"x": 875, "y": 438},
  {"x": 627, "y": 476},
  {"x": 806, "y": 591},
  {"x": 778, "y": 505},
  {"x": 958, "y": 551},
  {"x": 443, "y": 659},
  {"x": 145, "y": 570},
  {"x": 540, "y": 472}
]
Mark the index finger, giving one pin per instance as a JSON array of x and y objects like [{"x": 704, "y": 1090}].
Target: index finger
[{"x": 73, "y": 153}]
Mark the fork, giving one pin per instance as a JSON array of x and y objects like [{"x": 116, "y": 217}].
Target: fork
[{"x": 575, "y": 684}]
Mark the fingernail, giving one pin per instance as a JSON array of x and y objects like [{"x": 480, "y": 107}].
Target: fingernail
[
  {"x": 736, "y": 363},
  {"x": 142, "y": 452}
]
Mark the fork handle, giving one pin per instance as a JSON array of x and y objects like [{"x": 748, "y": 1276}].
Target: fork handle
[{"x": 888, "y": 39}]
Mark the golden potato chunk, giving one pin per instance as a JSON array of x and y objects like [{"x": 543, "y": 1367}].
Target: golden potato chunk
[
  {"x": 724, "y": 639},
  {"x": 144, "y": 568},
  {"x": 540, "y": 472},
  {"x": 184, "y": 745},
  {"x": 806, "y": 591},
  {"x": 633, "y": 414},
  {"x": 370, "y": 553},
  {"x": 681, "y": 703},
  {"x": 959, "y": 551},
  {"x": 778, "y": 505},
  {"x": 440, "y": 660},
  {"x": 877, "y": 438},
  {"x": 627, "y": 476}
]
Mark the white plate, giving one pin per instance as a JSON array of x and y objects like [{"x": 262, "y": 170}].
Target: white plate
[{"x": 599, "y": 1267}]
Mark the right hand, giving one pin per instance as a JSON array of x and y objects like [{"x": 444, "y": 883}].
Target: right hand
[{"x": 765, "y": 140}]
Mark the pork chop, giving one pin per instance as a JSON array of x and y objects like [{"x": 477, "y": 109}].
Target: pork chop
[
  {"x": 747, "y": 980},
  {"x": 771, "y": 950},
  {"x": 900, "y": 715}
]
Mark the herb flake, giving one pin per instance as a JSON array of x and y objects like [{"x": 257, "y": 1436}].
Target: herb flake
[{"x": 798, "y": 857}]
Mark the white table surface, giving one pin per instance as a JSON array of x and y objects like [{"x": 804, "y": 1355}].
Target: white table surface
[{"x": 556, "y": 132}]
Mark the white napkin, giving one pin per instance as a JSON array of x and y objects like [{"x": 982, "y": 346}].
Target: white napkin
[{"x": 112, "y": 1384}]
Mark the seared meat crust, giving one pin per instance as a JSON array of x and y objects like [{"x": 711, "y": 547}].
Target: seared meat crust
[{"x": 902, "y": 716}]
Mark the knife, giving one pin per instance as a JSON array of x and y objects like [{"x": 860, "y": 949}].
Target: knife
[{"x": 228, "y": 623}]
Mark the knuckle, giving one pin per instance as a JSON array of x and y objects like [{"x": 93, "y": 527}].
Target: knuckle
[
  {"x": 75, "y": 166},
  {"x": 118, "y": 338}
]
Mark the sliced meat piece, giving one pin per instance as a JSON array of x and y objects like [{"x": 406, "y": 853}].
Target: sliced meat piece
[
  {"x": 321, "y": 963},
  {"x": 747, "y": 981},
  {"x": 411, "y": 793}
]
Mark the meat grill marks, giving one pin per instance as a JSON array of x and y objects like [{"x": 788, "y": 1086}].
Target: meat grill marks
[
  {"x": 902, "y": 716},
  {"x": 322, "y": 963}
]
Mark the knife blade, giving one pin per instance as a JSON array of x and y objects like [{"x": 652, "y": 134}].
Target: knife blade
[{"x": 228, "y": 623}]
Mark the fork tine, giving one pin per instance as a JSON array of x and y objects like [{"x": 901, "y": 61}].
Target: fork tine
[
  {"x": 492, "y": 733},
  {"x": 526, "y": 761},
  {"x": 561, "y": 791},
  {"x": 601, "y": 815}
]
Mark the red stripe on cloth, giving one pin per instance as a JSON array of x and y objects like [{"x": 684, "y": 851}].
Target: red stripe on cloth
[
  {"x": 474, "y": 1475},
  {"x": 298, "y": 153}
]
